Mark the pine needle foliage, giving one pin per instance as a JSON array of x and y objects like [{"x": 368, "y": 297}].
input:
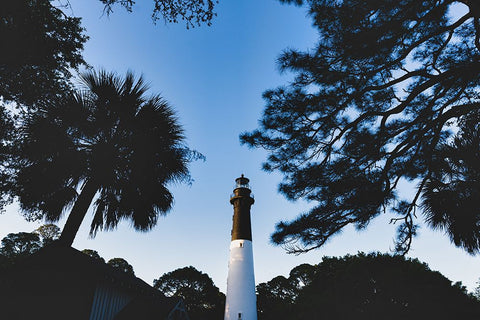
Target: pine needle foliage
[{"x": 386, "y": 85}]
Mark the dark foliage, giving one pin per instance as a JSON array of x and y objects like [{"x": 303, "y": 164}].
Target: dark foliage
[
  {"x": 109, "y": 142},
  {"x": 22, "y": 243},
  {"x": 41, "y": 45},
  {"x": 18, "y": 246},
  {"x": 7, "y": 159},
  {"x": 48, "y": 233},
  {"x": 122, "y": 265},
  {"x": 384, "y": 87},
  {"x": 193, "y": 12},
  {"x": 93, "y": 254},
  {"x": 202, "y": 298},
  {"x": 117, "y": 263},
  {"x": 451, "y": 195},
  {"x": 276, "y": 298},
  {"x": 373, "y": 286},
  {"x": 58, "y": 283},
  {"x": 476, "y": 291}
]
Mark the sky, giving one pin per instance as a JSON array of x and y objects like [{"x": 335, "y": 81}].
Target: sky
[{"x": 214, "y": 78}]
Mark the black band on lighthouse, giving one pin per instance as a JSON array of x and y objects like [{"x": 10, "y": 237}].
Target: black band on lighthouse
[{"x": 242, "y": 201}]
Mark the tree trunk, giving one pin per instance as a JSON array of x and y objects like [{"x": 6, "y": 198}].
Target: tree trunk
[{"x": 78, "y": 213}]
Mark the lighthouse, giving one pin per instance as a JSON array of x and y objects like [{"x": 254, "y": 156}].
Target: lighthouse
[{"x": 241, "y": 301}]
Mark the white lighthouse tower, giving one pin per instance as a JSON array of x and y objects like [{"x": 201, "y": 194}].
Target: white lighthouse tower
[{"x": 241, "y": 301}]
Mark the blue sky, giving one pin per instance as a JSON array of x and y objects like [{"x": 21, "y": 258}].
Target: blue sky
[{"x": 214, "y": 78}]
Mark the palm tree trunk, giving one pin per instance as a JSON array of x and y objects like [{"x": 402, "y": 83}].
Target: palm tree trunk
[{"x": 78, "y": 213}]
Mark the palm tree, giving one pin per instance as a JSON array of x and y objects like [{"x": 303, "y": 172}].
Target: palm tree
[
  {"x": 451, "y": 196},
  {"x": 107, "y": 143}
]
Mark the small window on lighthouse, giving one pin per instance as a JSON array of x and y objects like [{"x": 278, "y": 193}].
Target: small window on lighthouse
[
  {"x": 241, "y": 244},
  {"x": 239, "y": 316}
]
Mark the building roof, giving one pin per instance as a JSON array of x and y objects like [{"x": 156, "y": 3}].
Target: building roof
[{"x": 63, "y": 283}]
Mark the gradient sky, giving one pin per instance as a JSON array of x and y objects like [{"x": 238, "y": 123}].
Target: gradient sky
[{"x": 214, "y": 78}]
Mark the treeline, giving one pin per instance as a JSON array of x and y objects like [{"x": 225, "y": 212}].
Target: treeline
[
  {"x": 365, "y": 286},
  {"x": 203, "y": 299},
  {"x": 362, "y": 286},
  {"x": 17, "y": 246}
]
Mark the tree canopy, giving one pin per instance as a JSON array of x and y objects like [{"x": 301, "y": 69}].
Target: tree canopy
[
  {"x": 277, "y": 298},
  {"x": 21, "y": 244},
  {"x": 18, "y": 246},
  {"x": 108, "y": 143},
  {"x": 122, "y": 265},
  {"x": 117, "y": 263},
  {"x": 451, "y": 193},
  {"x": 202, "y": 298},
  {"x": 365, "y": 286},
  {"x": 43, "y": 46},
  {"x": 387, "y": 85},
  {"x": 93, "y": 254},
  {"x": 48, "y": 233}
]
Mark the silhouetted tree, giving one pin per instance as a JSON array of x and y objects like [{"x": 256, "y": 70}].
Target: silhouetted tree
[
  {"x": 44, "y": 45},
  {"x": 7, "y": 158},
  {"x": 93, "y": 254},
  {"x": 373, "y": 286},
  {"x": 202, "y": 298},
  {"x": 302, "y": 275},
  {"x": 48, "y": 233},
  {"x": 117, "y": 263},
  {"x": 108, "y": 143},
  {"x": 122, "y": 265},
  {"x": 476, "y": 291},
  {"x": 378, "y": 286},
  {"x": 18, "y": 246},
  {"x": 275, "y": 299},
  {"x": 382, "y": 89},
  {"x": 452, "y": 191}
]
